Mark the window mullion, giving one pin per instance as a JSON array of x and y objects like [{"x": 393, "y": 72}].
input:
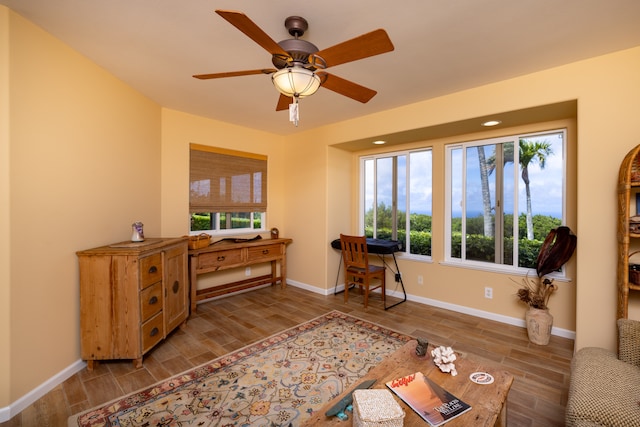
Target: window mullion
[
  {"x": 375, "y": 198},
  {"x": 516, "y": 203},
  {"x": 407, "y": 217},
  {"x": 463, "y": 205},
  {"x": 499, "y": 205},
  {"x": 394, "y": 198}
]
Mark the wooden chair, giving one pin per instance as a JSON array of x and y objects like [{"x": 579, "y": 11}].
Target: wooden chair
[{"x": 357, "y": 270}]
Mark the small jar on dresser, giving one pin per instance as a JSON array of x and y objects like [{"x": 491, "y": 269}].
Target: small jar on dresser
[{"x": 132, "y": 295}]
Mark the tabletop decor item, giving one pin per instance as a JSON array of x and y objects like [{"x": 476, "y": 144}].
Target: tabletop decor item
[
  {"x": 199, "y": 241},
  {"x": 556, "y": 250},
  {"x": 137, "y": 232},
  {"x": 444, "y": 357}
]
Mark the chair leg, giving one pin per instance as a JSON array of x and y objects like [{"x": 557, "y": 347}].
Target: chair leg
[
  {"x": 346, "y": 288},
  {"x": 366, "y": 292},
  {"x": 384, "y": 289},
  {"x": 366, "y": 298}
]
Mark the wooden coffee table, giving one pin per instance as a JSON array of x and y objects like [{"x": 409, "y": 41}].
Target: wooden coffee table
[{"x": 489, "y": 402}]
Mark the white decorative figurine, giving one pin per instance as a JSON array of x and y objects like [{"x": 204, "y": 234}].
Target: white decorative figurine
[{"x": 443, "y": 357}]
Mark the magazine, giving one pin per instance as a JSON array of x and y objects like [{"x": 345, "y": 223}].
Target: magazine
[{"x": 428, "y": 399}]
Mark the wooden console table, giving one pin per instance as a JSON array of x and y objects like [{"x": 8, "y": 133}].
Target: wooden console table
[{"x": 225, "y": 255}]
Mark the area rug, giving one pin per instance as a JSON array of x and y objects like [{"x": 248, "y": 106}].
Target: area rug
[{"x": 279, "y": 381}]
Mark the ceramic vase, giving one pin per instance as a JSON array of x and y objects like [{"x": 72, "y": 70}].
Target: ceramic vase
[
  {"x": 539, "y": 323},
  {"x": 137, "y": 232}
]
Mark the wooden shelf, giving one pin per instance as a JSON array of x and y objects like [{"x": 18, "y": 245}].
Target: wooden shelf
[{"x": 628, "y": 185}]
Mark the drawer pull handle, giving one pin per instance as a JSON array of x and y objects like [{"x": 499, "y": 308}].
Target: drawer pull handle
[
  {"x": 153, "y": 269},
  {"x": 265, "y": 251},
  {"x": 176, "y": 287},
  {"x": 154, "y": 332},
  {"x": 221, "y": 258},
  {"x": 153, "y": 300}
]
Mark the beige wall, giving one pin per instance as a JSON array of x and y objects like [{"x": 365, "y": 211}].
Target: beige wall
[
  {"x": 88, "y": 155},
  {"x": 465, "y": 287},
  {"x": 5, "y": 227},
  {"x": 178, "y": 131},
  {"x": 84, "y": 157},
  {"x": 607, "y": 89}
]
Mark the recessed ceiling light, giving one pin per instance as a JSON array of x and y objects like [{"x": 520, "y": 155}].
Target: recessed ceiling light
[
  {"x": 379, "y": 142},
  {"x": 491, "y": 123}
]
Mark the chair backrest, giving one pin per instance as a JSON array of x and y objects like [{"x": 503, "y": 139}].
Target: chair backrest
[{"x": 354, "y": 251}]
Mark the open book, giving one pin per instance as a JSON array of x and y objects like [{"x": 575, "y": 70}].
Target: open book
[{"x": 428, "y": 399}]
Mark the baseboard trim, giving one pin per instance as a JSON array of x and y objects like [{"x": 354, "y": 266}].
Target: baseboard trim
[
  {"x": 19, "y": 405},
  {"x": 565, "y": 333}
]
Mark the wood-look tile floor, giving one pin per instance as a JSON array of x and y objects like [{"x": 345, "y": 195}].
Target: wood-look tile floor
[{"x": 537, "y": 398}]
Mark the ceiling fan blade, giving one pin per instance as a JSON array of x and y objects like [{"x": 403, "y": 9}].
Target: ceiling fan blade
[
  {"x": 283, "y": 102},
  {"x": 234, "y": 74},
  {"x": 364, "y": 46},
  {"x": 251, "y": 30},
  {"x": 346, "y": 87}
]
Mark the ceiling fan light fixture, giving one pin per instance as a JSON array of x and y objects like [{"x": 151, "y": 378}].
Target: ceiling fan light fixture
[{"x": 296, "y": 82}]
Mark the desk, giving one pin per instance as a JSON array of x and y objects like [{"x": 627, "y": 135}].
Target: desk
[
  {"x": 379, "y": 247},
  {"x": 225, "y": 255},
  {"x": 488, "y": 401}
]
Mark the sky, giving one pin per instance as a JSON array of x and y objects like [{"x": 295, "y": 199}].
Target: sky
[{"x": 546, "y": 184}]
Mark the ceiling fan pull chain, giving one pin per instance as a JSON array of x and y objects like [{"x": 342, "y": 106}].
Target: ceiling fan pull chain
[{"x": 294, "y": 115}]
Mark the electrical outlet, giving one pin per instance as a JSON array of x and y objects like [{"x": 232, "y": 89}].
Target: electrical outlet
[
  {"x": 247, "y": 271},
  {"x": 420, "y": 280},
  {"x": 488, "y": 292}
]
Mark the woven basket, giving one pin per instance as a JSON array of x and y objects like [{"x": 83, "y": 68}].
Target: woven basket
[
  {"x": 200, "y": 241},
  {"x": 376, "y": 408}
]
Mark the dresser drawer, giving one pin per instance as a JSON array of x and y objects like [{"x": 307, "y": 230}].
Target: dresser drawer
[
  {"x": 152, "y": 331},
  {"x": 151, "y": 301},
  {"x": 150, "y": 270},
  {"x": 220, "y": 258},
  {"x": 268, "y": 251}
]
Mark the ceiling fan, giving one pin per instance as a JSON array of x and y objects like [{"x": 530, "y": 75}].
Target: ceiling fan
[{"x": 299, "y": 64}]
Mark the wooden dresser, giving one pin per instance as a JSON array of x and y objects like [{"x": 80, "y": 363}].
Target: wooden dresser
[
  {"x": 132, "y": 294},
  {"x": 225, "y": 255}
]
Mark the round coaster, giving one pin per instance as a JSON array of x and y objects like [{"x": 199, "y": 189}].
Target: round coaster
[{"x": 481, "y": 378}]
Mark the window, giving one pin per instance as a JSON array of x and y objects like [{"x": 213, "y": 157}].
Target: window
[
  {"x": 495, "y": 192},
  {"x": 227, "y": 190},
  {"x": 396, "y": 198}
]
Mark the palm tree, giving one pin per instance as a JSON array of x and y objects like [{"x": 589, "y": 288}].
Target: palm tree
[
  {"x": 485, "y": 171},
  {"x": 530, "y": 153}
]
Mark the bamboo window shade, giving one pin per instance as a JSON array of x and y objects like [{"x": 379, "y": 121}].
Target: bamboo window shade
[{"x": 222, "y": 180}]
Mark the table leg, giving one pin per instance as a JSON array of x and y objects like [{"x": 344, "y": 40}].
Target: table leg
[
  {"x": 283, "y": 267},
  {"x": 193, "y": 282},
  {"x": 502, "y": 416}
]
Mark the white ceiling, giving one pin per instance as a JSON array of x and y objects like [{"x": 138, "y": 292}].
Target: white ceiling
[{"x": 441, "y": 46}]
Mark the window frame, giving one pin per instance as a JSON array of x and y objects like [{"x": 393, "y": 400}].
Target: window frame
[
  {"x": 515, "y": 138},
  {"x": 216, "y": 214},
  {"x": 393, "y": 155}
]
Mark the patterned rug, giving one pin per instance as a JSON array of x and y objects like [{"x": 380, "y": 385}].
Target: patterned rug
[{"x": 278, "y": 381}]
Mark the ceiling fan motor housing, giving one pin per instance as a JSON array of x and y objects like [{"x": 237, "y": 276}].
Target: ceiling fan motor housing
[{"x": 299, "y": 51}]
